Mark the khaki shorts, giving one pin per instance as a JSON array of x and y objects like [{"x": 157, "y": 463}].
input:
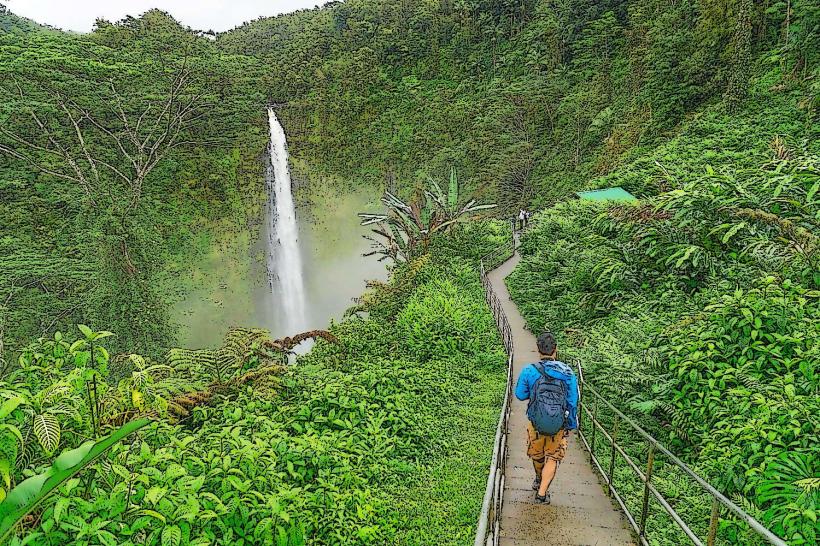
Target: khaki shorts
[{"x": 541, "y": 447}]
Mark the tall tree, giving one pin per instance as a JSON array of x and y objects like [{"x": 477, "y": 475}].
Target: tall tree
[{"x": 96, "y": 130}]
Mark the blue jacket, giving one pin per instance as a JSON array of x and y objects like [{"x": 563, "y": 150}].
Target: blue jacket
[{"x": 529, "y": 375}]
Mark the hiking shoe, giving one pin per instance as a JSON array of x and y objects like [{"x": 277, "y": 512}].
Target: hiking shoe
[
  {"x": 542, "y": 500},
  {"x": 536, "y": 484}
]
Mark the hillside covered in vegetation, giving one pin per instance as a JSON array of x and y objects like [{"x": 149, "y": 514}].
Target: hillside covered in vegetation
[
  {"x": 528, "y": 98},
  {"x": 699, "y": 306},
  {"x": 696, "y": 308},
  {"x": 171, "y": 134}
]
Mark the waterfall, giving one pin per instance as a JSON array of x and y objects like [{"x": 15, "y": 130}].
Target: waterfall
[{"x": 284, "y": 256}]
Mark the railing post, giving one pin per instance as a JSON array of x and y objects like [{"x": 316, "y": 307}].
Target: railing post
[
  {"x": 594, "y": 430},
  {"x": 580, "y": 411},
  {"x": 713, "y": 521},
  {"x": 612, "y": 457},
  {"x": 650, "y": 463}
]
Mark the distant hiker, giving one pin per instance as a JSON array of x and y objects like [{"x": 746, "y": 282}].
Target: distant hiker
[
  {"x": 551, "y": 388},
  {"x": 522, "y": 217},
  {"x": 527, "y": 215}
]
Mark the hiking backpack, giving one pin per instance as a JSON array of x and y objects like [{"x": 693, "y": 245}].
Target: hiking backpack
[{"x": 548, "y": 403}]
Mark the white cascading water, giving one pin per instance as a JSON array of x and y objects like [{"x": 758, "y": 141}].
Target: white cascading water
[{"x": 284, "y": 257}]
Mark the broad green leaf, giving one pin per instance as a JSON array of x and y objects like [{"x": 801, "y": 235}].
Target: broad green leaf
[
  {"x": 155, "y": 494},
  {"x": 452, "y": 194},
  {"x": 47, "y": 430},
  {"x": 29, "y": 494},
  {"x": 10, "y": 405},
  {"x": 107, "y": 537},
  {"x": 812, "y": 192},
  {"x": 59, "y": 508},
  {"x": 171, "y": 536},
  {"x": 150, "y": 513},
  {"x": 86, "y": 331}
]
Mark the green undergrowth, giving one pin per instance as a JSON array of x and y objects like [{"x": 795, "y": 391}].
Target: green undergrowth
[
  {"x": 695, "y": 310},
  {"x": 382, "y": 438}
]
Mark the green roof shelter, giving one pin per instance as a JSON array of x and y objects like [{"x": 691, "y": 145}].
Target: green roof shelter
[{"x": 608, "y": 194}]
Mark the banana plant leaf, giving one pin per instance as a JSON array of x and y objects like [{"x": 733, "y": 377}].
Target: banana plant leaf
[
  {"x": 391, "y": 201},
  {"x": 452, "y": 193},
  {"x": 368, "y": 218},
  {"x": 31, "y": 492}
]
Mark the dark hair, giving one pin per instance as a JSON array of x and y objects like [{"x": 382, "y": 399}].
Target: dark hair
[{"x": 546, "y": 343}]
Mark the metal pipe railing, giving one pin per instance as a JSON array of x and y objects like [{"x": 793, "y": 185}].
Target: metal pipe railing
[
  {"x": 489, "y": 521},
  {"x": 654, "y": 447}
]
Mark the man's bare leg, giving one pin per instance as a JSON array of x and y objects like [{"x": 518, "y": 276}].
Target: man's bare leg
[
  {"x": 547, "y": 475},
  {"x": 539, "y": 468}
]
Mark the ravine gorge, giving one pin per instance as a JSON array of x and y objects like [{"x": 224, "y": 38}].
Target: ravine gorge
[{"x": 262, "y": 285}]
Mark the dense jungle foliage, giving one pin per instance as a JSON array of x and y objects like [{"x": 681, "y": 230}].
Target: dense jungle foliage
[
  {"x": 527, "y": 98},
  {"x": 122, "y": 149},
  {"x": 352, "y": 446}
]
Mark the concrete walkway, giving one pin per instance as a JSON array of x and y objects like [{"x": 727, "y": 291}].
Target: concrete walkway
[{"x": 580, "y": 513}]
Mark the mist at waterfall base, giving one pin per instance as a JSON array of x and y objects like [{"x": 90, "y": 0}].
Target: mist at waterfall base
[{"x": 233, "y": 286}]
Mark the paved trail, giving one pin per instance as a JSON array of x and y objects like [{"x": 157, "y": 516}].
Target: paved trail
[{"x": 580, "y": 513}]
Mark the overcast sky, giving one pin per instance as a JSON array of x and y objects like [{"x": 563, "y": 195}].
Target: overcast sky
[{"x": 218, "y": 15}]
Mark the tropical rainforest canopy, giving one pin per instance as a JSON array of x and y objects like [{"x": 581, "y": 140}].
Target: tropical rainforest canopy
[{"x": 697, "y": 308}]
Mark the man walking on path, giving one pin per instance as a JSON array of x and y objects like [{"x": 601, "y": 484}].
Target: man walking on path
[{"x": 551, "y": 388}]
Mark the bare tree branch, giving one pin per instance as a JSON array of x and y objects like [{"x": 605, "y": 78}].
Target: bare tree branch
[{"x": 140, "y": 140}]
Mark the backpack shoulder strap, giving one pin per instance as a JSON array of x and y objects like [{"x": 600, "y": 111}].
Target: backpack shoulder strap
[{"x": 540, "y": 368}]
